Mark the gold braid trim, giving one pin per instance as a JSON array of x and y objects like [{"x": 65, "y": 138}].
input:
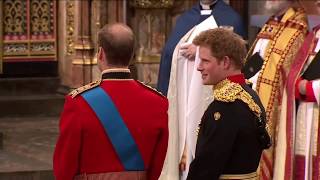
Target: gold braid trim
[
  {"x": 249, "y": 176},
  {"x": 84, "y": 88},
  {"x": 152, "y": 89},
  {"x": 280, "y": 51},
  {"x": 227, "y": 91}
]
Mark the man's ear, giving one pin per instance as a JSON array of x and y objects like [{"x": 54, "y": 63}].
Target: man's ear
[
  {"x": 226, "y": 62},
  {"x": 100, "y": 54}
]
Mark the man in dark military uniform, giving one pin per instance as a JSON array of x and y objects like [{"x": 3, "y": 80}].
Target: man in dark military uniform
[
  {"x": 114, "y": 128},
  {"x": 232, "y": 132}
]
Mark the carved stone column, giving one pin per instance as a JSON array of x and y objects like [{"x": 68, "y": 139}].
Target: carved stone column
[
  {"x": 150, "y": 24},
  {"x": 84, "y": 56}
]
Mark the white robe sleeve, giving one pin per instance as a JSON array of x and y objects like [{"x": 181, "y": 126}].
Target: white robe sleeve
[{"x": 316, "y": 90}]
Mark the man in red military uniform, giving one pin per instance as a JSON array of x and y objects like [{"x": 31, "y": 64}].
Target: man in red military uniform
[{"x": 114, "y": 128}]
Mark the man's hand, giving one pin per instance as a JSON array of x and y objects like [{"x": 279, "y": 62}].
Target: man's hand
[
  {"x": 302, "y": 86},
  {"x": 188, "y": 51},
  {"x": 183, "y": 163}
]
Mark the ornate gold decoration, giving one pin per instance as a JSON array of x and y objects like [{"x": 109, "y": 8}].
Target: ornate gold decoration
[
  {"x": 249, "y": 176},
  {"x": 41, "y": 18},
  {"x": 70, "y": 27},
  {"x": 47, "y": 47},
  {"x": 216, "y": 116},
  {"x": 15, "y": 48},
  {"x": 28, "y": 29},
  {"x": 277, "y": 61},
  {"x": 227, "y": 91},
  {"x": 152, "y": 3},
  {"x": 14, "y": 17},
  {"x": 84, "y": 88},
  {"x": 277, "y": 54}
]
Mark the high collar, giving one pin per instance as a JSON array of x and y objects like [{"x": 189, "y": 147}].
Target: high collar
[
  {"x": 238, "y": 78},
  {"x": 228, "y": 82},
  {"x": 117, "y": 73}
]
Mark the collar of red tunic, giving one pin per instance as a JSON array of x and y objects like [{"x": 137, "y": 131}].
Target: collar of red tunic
[
  {"x": 238, "y": 78},
  {"x": 119, "y": 73}
]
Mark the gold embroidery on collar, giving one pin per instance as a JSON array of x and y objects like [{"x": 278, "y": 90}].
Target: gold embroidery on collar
[
  {"x": 115, "y": 70},
  {"x": 227, "y": 91},
  {"x": 84, "y": 88}
]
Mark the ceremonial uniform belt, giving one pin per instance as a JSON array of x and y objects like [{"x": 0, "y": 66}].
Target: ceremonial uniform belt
[
  {"x": 249, "y": 176},
  {"x": 124, "y": 175}
]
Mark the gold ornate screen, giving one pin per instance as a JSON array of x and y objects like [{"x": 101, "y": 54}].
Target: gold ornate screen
[{"x": 29, "y": 30}]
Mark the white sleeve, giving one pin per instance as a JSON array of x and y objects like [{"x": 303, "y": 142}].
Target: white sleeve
[{"x": 316, "y": 90}]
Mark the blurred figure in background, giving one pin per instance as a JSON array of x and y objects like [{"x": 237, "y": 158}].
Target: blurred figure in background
[
  {"x": 300, "y": 121},
  {"x": 268, "y": 64}
]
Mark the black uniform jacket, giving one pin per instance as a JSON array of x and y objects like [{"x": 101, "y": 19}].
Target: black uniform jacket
[{"x": 229, "y": 140}]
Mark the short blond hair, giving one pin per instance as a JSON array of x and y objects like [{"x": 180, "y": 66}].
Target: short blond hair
[{"x": 223, "y": 42}]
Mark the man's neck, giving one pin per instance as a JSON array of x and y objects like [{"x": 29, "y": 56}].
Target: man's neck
[
  {"x": 233, "y": 73},
  {"x": 207, "y": 6}
]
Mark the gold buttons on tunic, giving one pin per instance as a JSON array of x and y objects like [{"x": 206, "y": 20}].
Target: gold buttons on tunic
[{"x": 216, "y": 116}]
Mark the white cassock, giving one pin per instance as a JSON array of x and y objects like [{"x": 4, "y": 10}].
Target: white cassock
[{"x": 188, "y": 99}]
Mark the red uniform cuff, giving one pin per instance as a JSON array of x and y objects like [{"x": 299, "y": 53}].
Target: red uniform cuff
[{"x": 309, "y": 97}]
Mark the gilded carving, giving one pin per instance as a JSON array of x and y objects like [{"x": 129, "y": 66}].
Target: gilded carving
[
  {"x": 15, "y": 48},
  {"x": 152, "y": 3},
  {"x": 43, "y": 47},
  {"x": 29, "y": 29},
  {"x": 41, "y": 18},
  {"x": 15, "y": 17},
  {"x": 70, "y": 27}
]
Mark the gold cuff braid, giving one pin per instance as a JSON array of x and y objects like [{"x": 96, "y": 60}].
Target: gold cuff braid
[{"x": 249, "y": 176}]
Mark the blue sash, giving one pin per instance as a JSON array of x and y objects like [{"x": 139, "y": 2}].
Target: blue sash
[{"x": 115, "y": 128}]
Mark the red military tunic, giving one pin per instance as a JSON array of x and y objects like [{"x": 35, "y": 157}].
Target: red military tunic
[{"x": 84, "y": 147}]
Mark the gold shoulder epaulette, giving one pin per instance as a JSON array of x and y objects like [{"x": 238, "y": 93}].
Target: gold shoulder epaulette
[
  {"x": 151, "y": 88},
  {"x": 227, "y": 91},
  {"x": 84, "y": 88}
]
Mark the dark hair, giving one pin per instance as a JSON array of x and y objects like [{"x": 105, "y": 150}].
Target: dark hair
[
  {"x": 117, "y": 41},
  {"x": 223, "y": 42}
]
